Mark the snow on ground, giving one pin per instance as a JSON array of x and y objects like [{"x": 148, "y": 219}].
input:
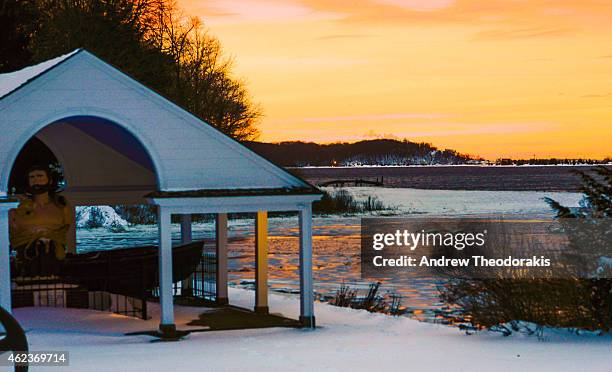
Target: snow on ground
[{"x": 346, "y": 340}]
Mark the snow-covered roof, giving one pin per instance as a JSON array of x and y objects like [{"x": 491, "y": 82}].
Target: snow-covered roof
[{"x": 13, "y": 80}]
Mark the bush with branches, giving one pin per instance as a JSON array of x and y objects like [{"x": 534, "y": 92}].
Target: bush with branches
[{"x": 581, "y": 301}]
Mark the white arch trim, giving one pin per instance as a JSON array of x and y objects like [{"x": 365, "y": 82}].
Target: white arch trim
[{"x": 113, "y": 117}]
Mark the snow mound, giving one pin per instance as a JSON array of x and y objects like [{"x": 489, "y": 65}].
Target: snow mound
[{"x": 100, "y": 216}]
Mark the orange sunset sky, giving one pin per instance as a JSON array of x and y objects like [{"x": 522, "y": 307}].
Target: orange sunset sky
[{"x": 511, "y": 78}]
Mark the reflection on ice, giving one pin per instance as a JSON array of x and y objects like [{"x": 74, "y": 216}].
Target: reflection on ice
[{"x": 336, "y": 240}]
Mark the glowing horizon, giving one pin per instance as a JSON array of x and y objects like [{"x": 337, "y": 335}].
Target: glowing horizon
[{"x": 490, "y": 78}]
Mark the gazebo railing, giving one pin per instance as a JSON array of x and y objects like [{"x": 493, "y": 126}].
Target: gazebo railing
[
  {"x": 56, "y": 292},
  {"x": 201, "y": 286},
  {"x": 124, "y": 294},
  {"x": 47, "y": 292},
  {"x": 203, "y": 280}
]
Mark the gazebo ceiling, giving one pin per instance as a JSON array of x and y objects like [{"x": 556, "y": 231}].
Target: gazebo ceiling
[{"x": 103, "y": 163}]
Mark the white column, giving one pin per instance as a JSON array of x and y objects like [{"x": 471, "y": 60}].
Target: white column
[
  {"x": 221, "y": 253},
  {"x": 185, "y": 228},
  {"x": 165, "y": 271},
  {"x": 261, "y": 262},
  {"x": 306, "y": 290},
  {"x": 5, "y": 265},
  {"x": 186, "y": 238}
]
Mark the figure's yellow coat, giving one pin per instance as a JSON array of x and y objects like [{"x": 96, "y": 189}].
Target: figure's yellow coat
[{"x": 22, "y": 236}]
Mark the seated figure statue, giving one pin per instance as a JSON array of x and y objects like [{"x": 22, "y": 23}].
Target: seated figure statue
[{"x": 39, "y": 226}]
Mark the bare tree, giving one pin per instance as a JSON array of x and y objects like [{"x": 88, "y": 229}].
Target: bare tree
[
  {"x": 151, "y": 40},
  {"x": 202, "y": 81}
]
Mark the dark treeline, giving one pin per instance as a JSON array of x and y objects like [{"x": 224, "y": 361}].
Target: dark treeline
[
  {"x": 552, "y": 161},
  {"x": 370, "y": 152},
  {"x": 151, "y": 40}
]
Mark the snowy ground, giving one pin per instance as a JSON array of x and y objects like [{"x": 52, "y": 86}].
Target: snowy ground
[{"x": 346, "y": 340}]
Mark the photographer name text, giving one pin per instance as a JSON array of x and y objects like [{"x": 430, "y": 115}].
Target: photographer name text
[{"x": 477, "y": 261}]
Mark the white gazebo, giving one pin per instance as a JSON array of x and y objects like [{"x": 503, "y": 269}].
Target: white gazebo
[{"x": 120, "y": 142}]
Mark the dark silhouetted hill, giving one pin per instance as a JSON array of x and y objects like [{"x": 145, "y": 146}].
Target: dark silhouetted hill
[{"x": 370, "y": 152}]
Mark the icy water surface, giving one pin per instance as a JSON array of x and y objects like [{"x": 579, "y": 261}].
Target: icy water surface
[
  {"x": 463, "y": 177},
  {"x": 336, "y": 240}
]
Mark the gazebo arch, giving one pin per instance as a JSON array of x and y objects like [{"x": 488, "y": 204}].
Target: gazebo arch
[
  {"x": 58, "y": 116},
  {"x": 103, "y": 162},
  {"x": 197, "y": 169}
]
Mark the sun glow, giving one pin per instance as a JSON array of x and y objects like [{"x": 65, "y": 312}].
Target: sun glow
[{"x": 487, "y": 77}]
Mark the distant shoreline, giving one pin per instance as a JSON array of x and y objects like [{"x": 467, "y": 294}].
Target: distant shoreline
[
  {"x": 446, "y": 165},
  {"x": 454, "y": 177}
]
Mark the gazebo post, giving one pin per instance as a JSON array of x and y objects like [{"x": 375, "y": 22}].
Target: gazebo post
[
  {"x": 261, "y": 262},
  {"x": 166, "y": 326},
  {"x": 5, "y": 264},
  {"x": 186, "y": 228},
  {"x": 186, "y": 238},
  {"x": 221, "y": 253},
  {"x": 306, "y": 290}
]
